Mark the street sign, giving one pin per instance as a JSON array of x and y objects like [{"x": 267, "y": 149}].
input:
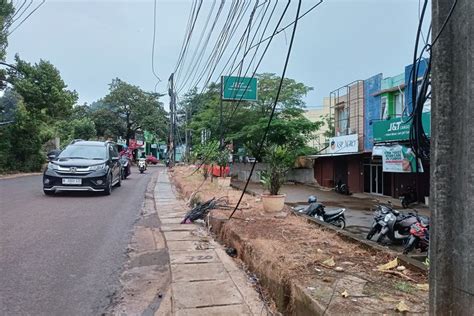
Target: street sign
[{"x": 239, "y": 88}]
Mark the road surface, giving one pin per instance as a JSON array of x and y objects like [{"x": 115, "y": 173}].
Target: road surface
[{"x": 62, "y": 255}]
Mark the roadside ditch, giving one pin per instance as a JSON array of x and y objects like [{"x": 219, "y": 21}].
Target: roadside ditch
[{"x": 307, "y": 268}]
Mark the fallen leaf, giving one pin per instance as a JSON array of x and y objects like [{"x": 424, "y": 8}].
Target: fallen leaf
[
  {"x": 389, "y": 265},
  {"x": 401, "y": 268},
  {"x": 423, "y": 286},
  {"x": 402, "y": 307},
  {"x": 345, "y": 294},
  {"x": 388, "y": 299},
  {"x": 329, "y": 262}
]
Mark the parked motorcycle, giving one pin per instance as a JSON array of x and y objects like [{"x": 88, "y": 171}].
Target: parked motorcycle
[
  {"x": 408, "y": 197},
  {"x": 379, "y": 215},
  {"x": 396, "y": 226},
  {"x": 316, "y": 210},
  {"x": 126, "y": 166},
  {"x": 419, "y": 235},
  {"x": 342, "y": 188},
  {"x": 142, "y": 165}
]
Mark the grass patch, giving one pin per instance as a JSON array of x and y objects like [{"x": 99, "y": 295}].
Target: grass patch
[{"x": 404, "y": 287}]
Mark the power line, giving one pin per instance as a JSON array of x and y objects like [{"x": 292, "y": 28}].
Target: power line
[
  {"x": 23, "y": 21},
  {"x": 192, "y": 64},
  {"x": 273, "y": 109},
  {"x": 153, "y": 47}
]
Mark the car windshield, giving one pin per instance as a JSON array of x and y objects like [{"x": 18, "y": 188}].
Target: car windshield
[{"x": 84, "y": 152}]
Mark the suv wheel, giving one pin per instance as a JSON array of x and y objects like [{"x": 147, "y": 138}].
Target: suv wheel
[
  {"x": 108, "y": 188},
  {"x": 119, "y": 183},
  {"x": 48, "y": 192}
]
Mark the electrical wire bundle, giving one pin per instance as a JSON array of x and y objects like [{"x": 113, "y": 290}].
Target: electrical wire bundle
[{"x": 421, "y": 89}]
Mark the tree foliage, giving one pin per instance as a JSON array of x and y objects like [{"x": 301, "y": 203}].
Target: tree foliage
[
  {"x": 245, "y": 122},
  {"x": 139, "y": 109},
  {"x": 43, "y": 90}
]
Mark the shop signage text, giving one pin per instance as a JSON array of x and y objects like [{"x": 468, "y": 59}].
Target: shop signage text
[
  {"x": 398, "y": 129},
  {"x": 239, "y": 88},
  {"x": 344, "y": 144},
  {"x": 399, "y": 159}
]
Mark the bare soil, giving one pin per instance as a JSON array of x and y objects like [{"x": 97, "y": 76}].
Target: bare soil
[{"x": 296, "y": 252}]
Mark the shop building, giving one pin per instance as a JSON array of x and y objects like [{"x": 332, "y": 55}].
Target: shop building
[{"x": 372, "y": 127}]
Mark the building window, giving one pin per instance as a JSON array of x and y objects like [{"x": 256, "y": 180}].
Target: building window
[
  {"x": 342, "y": 121},
  {"x": 398, "y": 101},
  {"x": 384, "y": 108}
]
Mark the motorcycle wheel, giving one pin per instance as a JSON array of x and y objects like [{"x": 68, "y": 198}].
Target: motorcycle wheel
[
  {"x": 404, "y": 203},
  {"x": 380, "y": 238},
  {"x": 410, "y": 245},
  {"x": 372, "y": 232},
  {"x": 341, "y": 223},
  {"x": 141, "y": 170}
]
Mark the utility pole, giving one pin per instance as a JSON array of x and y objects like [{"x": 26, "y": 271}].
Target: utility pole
[
  {"x": 171, "y": 153},
  {"x": 452, "y": 161},
  {"x": 186, "y": 132},
  {"x": 221, "y": 127}
]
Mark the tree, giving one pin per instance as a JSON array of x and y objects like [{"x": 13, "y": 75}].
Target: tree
[
  {"x": 138, "y": 109},
  {"x": 108, "y": 124},
  {"x": 6, "y": 11},
  {"x": 8, "y": 105},
  {"x": 244, "y": 122},
  {"x": 43, "y": 90},
  {"x": 291, "y": 95}
]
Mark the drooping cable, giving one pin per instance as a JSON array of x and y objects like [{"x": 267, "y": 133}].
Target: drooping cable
[{"x": 260, "y": 147}]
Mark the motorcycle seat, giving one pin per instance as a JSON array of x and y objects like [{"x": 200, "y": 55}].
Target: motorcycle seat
[{"x": 333, "y": 212}]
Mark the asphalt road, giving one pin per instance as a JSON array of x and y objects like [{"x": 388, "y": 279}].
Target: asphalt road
[{"x": 62, "y": 255}]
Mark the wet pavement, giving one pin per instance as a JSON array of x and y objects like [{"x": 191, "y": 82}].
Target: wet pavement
[
  {"x": 359, "y": 206},
  {"x": 62, "y": 254}
]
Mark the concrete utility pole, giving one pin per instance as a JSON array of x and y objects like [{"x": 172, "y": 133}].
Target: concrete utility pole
[
  {"x": 172, "y": 150},
  {"x": 452, "y": 161}
]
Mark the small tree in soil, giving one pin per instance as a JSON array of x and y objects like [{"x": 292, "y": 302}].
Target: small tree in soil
[{"x": 279, "y": 159}]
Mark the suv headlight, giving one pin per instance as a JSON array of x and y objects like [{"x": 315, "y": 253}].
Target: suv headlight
[
  {"x": 97, "y": 167},
  {"x": 52, "y": 166}
]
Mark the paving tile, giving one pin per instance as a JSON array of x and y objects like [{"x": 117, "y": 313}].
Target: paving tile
[
  {"x": 178, "y": 227},
  {"x": 171, "y": 215},
  {"x": 205, "y": 294},
  {"x": 199, "y": 272},
  {"x": 186, "y": 235},
  {"x": 199, "y": 256},
  {"x": 227, "y": 310},
  {"x": 172, "y": 220}
]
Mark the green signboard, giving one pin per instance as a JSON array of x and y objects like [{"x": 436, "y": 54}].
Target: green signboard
[
  {"x": 398, "y": 129},
  {"x": 239, "y": 88}
]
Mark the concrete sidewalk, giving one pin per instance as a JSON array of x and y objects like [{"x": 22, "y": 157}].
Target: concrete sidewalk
[{"x": 204, "y": 279}]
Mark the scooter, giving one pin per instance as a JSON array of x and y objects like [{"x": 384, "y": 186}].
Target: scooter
[
  {"x": 342, "y": 188},
  {"x": 379, "y": 215},
  {"x": 408, "y": 197},
  {"x": 419, "y": 235},
  {"x": 316, "y": 210},
  {"x": 396, "y": 227},
  {"x": 126, "y": 167},
  {"x": 141, "y": 165}
]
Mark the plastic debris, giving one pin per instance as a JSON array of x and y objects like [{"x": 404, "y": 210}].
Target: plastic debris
[
  {"x": 402, "y": 307},
  {"x": 329, "y": 262},
  {"x": 423, "y": 286},
  {"x": 389, "y": 265}
]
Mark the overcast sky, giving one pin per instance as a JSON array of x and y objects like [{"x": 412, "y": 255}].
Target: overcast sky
[{"x": 93, "y": 41}]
